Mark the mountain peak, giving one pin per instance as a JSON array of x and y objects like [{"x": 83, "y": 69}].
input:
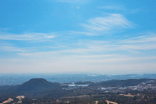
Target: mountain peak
[
  {"x": 36, "y": 85},
  {"x": 37, "y": 80}
]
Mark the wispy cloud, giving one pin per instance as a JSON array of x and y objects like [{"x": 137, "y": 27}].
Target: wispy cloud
[
  {"x": 132, "y": 45},
  {"x": 151, "y": 37},
  {"x": 11, "y": 48},
  {"x": 145, "y": 42},
  {"x": 89, "y": 63},
  {"x": 91, "y": 47},
  {"x": 101, "y": 25},
  {"x": 90, "y": 55},
  {"x": 7, "y": 47},
  {"x": 27, "y": 36},
  {"x": 114, "y": 21}
]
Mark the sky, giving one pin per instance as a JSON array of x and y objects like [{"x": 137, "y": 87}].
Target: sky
[{"x": 78, "y": 36}]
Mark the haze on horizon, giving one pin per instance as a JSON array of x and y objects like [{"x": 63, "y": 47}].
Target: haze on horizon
[{"x": 78, "y": 36}]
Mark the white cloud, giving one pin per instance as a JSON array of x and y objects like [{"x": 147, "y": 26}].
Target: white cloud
[
  {"x": 135, "y": 44},
  {"x": 10, "y": 48},
  {"x": 27, "y": 36},
  {"x": 101, "y": 47},
  {"x": 151, "y": 37},
  {"x": 144, "y": 42},
  {"x": 7, "y": 47},
  {"x": 103, "y": 64},
  {"x": 94, "y": 57},
  {"x": 132, "y": 46},
  {"x": 113, "y": 22},
  {"x": 138, "y": 47}
]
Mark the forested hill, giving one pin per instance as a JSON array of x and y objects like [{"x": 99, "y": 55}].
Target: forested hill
[
  {"x": 38, "y": 84},
  {"x": 37, "y": 87}
]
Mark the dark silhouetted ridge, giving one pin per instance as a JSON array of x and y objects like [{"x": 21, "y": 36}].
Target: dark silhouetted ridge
[
  {"x": 121, "y": 83},
  {"x": 36, "y": 86},
  {"x": 38, "y": 82}
]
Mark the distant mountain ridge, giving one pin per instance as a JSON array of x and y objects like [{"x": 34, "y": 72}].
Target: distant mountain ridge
[
  {"x": 121, "y": 83},
  {"x": 16, "y": 79}
]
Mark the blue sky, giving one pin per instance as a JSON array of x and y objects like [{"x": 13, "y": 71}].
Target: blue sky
[{"x": 78, "y": 36}]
